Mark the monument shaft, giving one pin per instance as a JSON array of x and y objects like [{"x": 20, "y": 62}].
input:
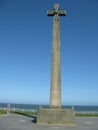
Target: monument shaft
[{"x": 55, "y": 89}]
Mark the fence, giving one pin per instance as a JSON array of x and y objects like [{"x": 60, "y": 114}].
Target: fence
[{"x": 18, "y": 109}]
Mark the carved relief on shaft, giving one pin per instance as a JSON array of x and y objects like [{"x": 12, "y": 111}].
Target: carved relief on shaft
[{"x": 55, "y": 89}]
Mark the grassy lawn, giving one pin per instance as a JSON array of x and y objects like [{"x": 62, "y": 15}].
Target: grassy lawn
[
  {"x": 15, "y": 112},
  {"x": 2, "y": 112},
  {"x": 25, "y": 113},
  {"x": 35, "y": 113},
  {"x": 86, "y": 115}
]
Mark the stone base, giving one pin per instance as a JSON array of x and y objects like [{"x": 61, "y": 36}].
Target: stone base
[{"x": 56, "y": 116}]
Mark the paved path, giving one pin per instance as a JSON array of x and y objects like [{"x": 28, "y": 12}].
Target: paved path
[{"x": 20, "y": 122}]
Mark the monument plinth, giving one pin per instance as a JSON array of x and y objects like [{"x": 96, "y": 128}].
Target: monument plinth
[{"x": 55, "y": 115}]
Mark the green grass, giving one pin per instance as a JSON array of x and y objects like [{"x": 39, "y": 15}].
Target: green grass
[
  {"x": 35, "y": 113},
  {"x": 24, "y": 113},
  {"x": 2, "y": 112},
  {"x": 86, "y": 115},
  {"x": 15, "y": 112},
  {"x": 77, "y": 114}
]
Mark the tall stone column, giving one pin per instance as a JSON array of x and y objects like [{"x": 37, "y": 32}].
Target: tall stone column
[
  {"x": 56, "y": 115},
  {"x": 55, "y": 88}
]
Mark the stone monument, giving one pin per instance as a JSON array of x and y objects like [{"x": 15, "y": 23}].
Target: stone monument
[{"x": 55, "y": 114}]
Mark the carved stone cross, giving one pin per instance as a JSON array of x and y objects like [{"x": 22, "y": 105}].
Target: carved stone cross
[
  {"x": 55, "y": 87},
  {"x": 56, "y": 115},
  {"x": 56, "y": 12}
]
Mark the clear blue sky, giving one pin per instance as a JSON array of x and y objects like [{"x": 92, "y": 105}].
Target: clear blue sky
[{"x": 25, "y": 51}]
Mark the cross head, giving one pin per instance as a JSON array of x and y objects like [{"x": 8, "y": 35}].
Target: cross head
[{"x": 56, "y": 12}]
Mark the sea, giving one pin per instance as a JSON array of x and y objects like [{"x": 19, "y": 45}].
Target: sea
[{"x": 34, "y": 108}]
